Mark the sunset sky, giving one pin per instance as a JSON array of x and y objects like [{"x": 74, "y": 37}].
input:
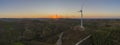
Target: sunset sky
[{"x": 62, "y": 8}]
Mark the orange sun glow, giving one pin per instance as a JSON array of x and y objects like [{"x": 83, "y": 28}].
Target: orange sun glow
[{"x": 55, "y": 16}]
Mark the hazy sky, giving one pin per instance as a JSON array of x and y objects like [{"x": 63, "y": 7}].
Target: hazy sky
[{"x": 63, "y": 8}]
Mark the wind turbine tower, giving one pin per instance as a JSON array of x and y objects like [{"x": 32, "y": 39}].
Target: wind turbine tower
[
  {"x": 81, "y": 11},
  {"x": 81, "y": 23}
]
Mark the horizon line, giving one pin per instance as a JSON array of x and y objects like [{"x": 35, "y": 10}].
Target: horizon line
[{"x": 60, "y": 18}]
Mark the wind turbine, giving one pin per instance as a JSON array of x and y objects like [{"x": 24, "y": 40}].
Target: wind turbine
[
  {"x": 81, "y": 11},
  {"x": 81, "y": 23}
]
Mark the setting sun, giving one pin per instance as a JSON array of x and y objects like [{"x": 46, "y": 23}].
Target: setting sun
[{"x": 55, "y": 16}]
